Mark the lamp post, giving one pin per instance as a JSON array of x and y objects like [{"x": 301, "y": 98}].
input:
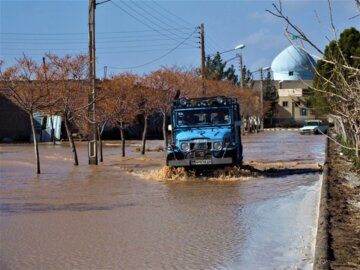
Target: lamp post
[
  {"x": 240, "y": 47},
  {"x": 262, "y": 97}
]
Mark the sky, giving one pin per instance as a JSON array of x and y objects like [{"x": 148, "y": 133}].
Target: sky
[{"x": 144, "y": 36}]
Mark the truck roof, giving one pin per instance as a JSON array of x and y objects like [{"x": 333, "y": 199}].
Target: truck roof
[
  {"x": 314, "y": 120},
  {"x": 203, "y": 102}
]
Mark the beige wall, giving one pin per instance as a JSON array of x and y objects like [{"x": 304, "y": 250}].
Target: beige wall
[
  {"x": 290, "y": 106},
  {"x": 293, "y": 110}
]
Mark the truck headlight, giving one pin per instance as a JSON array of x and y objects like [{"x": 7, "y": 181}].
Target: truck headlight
[
  {"x": 217, "y": 146},
  {"x": 185, "y": 146}
]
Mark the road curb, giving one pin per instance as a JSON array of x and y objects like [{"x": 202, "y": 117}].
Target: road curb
[
  {"x": 281, "y": 129},
  {"x": 322, "y": 245}
]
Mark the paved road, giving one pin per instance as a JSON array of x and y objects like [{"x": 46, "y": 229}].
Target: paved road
[{"x": 120, "y": 216}]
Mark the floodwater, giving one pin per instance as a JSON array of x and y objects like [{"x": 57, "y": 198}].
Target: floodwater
[{"x": 123, "y": 215}]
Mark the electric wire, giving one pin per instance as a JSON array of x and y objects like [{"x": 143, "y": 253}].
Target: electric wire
[
  {"x": 212, "y": 41},
  {"x": 100, "y": 52},
  {"x": 159, "y": 13},
  {"x": 84, "y": 42},
  {"x": 152, "y": 16},
  {"x": 97, "y": 33},
  {"x": 164, "y": 34},
  {"x": 172, "y": 14},
  {"x": 139, "y": 20},
  {"x": 156, "y": 59},
  {"x": 80, "y": 39}
]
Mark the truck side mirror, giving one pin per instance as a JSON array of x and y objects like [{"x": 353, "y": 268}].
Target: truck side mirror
[{"x": 169, "y": 127}]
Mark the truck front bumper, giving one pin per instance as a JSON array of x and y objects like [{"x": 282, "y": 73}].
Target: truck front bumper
[{"x": 200, "y": 162}]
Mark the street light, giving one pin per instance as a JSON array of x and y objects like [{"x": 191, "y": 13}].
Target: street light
[
  {"x": 240, "y": 47},
  {"x": 262, "y": 97}
]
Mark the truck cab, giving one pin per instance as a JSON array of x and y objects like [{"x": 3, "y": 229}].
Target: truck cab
[
  {"x": 314, "y": 127},
  {"x": 205, "y": 132}
]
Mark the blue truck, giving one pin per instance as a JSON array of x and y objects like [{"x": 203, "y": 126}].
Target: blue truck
[{"x": 205, "y": 132}]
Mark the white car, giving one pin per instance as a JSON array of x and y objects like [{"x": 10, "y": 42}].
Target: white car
[{"x": 314, "y": 127}]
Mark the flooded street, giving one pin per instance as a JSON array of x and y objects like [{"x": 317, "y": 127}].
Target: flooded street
[{"x": 123, "y": 215}]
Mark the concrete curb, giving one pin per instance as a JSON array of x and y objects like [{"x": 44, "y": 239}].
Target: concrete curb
[
  {"x": 322, "y": 245},
  {"x": 281, "y": 129}
]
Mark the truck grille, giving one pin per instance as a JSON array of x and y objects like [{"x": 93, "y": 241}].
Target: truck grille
[{"x": 200, "y": 146}]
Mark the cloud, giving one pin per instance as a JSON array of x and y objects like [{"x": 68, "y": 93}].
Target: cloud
[
  {"x": 262, "y": 16},
  {"x": 265, "y": 39}
]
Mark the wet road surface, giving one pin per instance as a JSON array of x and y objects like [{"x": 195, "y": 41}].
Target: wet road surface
[{"x": 118, "y": 215}]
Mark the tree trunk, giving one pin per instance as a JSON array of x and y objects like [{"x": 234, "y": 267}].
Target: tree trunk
[
  {"x": 52, "y": 137},
  {"x": 35, "y": 144},
  {"x": 242, "y": 125},
  {"x": 100, "y": 143},
  {"x": 122, "y": 135},
  {"x": 357, "y": 145},
  {"x": 165, "y": 131},
  {"x": 143, "y": 143},
  {"x": 71, "y": 140},
  {"x": 248, "y": 124}
]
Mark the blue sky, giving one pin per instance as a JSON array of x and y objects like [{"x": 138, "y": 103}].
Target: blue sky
[{"x": 143, "y": 36}]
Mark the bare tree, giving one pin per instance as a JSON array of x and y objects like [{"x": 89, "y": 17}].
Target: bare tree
[
  {"x": 71, "y": 89},
  {"x": 171, "y": 82},
  {"x": 149, "y": 101},
  {"x": 120, "y": 104},
  {"x": 24, "y": 84}
]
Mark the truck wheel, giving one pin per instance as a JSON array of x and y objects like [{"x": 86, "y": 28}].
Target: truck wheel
[
  {"x": 237, "y": 161},
  {"x": 168, "y": 158}
]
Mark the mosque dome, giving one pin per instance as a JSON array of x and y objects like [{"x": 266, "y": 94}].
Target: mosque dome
[{"x": 293, "y": 63}]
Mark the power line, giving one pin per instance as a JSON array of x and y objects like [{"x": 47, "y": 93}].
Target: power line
[
  {"x": 100, "y": 52},
  {"x": 172, "y": 14},
  {"x": 154, "y": 17},
  {"x": 214, "y": 42},
  {"x": 156, "y": 59},
  {"x": 113, "y": 36},
  {"x": 165, "y": 33},
  {"x": 84, "y": 42},
  {"x": 139, "y": 20},
  {"x": 99, "y": 33},
  {"x": 161, "y": 14}
]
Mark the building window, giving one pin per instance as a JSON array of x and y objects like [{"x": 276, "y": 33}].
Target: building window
[
  {"x": 285, "y": 104},
  {"x": 303, "y": 112},
  {"x": 296, "y": 103},
  {"x": 291, "y": 73}
]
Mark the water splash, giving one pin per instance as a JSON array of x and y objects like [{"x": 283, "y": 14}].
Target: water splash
[
  {"x": 272, "y": 169},
  {"x": 182, "y": 174}
]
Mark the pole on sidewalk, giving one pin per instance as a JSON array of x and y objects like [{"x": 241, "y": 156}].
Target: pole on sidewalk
[{"x": 93, "y": 159}]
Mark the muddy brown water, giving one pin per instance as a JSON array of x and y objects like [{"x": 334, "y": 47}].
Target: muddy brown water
[{"x": 123, "y": 215}]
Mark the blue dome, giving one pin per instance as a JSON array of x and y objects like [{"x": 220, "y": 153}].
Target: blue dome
[{"x": 293, "y": 63}]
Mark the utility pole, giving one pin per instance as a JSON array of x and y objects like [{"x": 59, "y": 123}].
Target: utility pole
[
  {"x": 202, "y": 46},
  {"x": 261, "y": 100},
  {"x": 105, "y": 72},
  {"x": 93, "y": 159},
  {"x": 242, "y": 77}
]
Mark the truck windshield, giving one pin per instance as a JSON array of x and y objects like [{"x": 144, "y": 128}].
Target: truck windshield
[
  {"x": 312, "y": 123},
  {"x": 199, "y": 117}
]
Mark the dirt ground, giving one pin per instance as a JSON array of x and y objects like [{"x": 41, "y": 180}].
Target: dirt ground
[{"x": 344, "y": 211}]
